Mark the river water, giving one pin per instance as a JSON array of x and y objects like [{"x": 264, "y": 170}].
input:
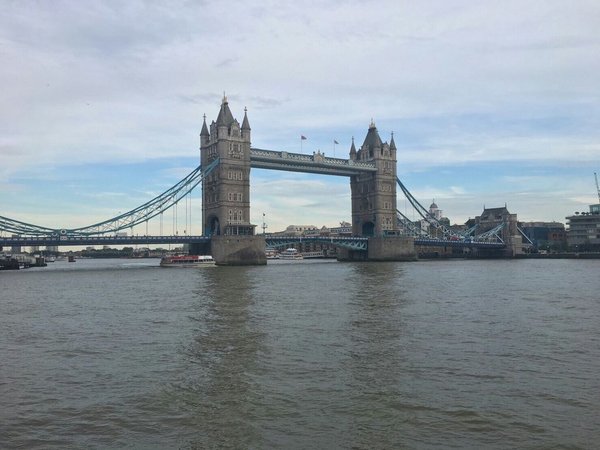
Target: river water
[{"x": 316, "y": 354}]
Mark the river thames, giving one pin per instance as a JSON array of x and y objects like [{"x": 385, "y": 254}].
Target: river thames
[{"x": 317, "y": 354}]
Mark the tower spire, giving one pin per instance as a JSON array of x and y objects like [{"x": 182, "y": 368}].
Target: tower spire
[
  {"x": 204, "y": 131},
  {"x": 245, "y": 122},
  {"x": 392, "y": 143}
]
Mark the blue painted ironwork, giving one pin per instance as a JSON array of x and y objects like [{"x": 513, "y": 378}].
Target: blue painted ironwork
[
  {"x": 124, "y": 221},
  {"x": 489, "y": 239},
  {"x": 493, "y": 233},
  {"x": 525, "y": 236},
  {"x": 408, "y": 228},
  {"x": 53, "y": 240},
  {"x": 432, "y": 242},
  {"x": 16, "y": 227},
  {"x": 352, "y": 243},
  {"x": 423, "y": 212}
]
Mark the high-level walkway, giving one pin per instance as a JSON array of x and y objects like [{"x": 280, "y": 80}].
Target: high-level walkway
[{"x": 316, "y": 163}]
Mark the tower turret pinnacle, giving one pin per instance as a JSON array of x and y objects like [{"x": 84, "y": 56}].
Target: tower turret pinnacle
[
  {"x": 352, "y": 150},
  {"x": 392, "y": 143},
  {"x": 245, "y": 122},
  {"x": 204, "y": 131},
  {"x": 225, "y": 118},
  {"x": 372, "y": 144}
]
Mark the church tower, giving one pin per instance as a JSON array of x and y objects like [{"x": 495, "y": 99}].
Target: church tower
[
  {"x": 374, "y": 194},
  {"x": 226, "y": 190}
]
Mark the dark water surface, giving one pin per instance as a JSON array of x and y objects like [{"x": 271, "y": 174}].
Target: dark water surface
[{"x": 458, "y": 354}]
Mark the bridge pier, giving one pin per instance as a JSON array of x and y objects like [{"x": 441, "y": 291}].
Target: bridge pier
[
  {"x": 389, "y": 248},
  {"x": 392, "y": 248},
  {"x": 346, "y": 254},
  {"x": 238, "y": 250},
  {"x": 199, "y": 248}
]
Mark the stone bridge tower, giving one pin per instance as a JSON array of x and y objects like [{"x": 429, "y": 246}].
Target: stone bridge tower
[
  {"x": 374, "y": 203},
  {"x": 374, "y": 194},
  {"x": 226, "y": 191}
]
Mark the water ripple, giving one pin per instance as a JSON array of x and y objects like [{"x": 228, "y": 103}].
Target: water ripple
[{"x": 309, "y": 355}]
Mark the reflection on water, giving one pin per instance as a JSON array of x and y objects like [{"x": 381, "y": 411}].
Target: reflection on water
[
  {"x": 220, "y": 357},
  {"x": 375, "y": 354},
  {"x": 463, "y": 354}
]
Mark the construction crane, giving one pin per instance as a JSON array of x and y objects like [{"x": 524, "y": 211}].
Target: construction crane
[{"x": 597, "y": 187}]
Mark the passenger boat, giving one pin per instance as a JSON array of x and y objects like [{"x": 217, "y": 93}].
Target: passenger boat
[
  {"x": 271, "y": 253},
  {"x": 290, "y": 253},
  {"x": 187, "y": 261}
]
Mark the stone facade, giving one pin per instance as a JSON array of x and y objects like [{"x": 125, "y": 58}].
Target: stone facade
[
  {"x": 491, "y": 218},
  {"x": 374, "y": 194},
  {"x": 389, "y": 248},
  {"x": 392, "y": 248},
  {"x": 226, "y": 190},
  {"x": 238, "y": 250}
]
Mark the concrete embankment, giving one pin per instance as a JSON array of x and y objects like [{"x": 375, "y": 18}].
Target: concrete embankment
[{"x": 565, "y": 255}]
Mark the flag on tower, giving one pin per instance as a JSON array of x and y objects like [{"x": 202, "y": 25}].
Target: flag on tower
[{"x": 303, "y": 137}]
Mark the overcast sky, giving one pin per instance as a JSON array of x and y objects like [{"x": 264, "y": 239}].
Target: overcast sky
[{"x": 101, "y": 103}]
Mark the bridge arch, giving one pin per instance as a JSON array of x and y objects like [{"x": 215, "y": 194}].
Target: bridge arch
[
  {"x": 213, "y": 226},
  {"x": 368, "y": 229}
]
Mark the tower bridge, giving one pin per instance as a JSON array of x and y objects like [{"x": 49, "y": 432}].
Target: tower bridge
[
  {"x": 226, "y": 190},
  {"x": 379, "y": 230}
]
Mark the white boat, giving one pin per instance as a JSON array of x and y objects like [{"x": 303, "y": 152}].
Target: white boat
[
  {"x": 271, "y": 253},
  {"x": 187, "y": 261},
  {"x": 290, "y": 253},
  {"x": 307, "y": 255}
]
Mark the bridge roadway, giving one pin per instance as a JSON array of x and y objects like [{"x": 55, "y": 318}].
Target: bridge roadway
[
  {"x": 353, "y": 243},
  {"x": 361, "y": 243},
  {"x": 26, "y": 241},
  {"x": 459, "y": 243}
]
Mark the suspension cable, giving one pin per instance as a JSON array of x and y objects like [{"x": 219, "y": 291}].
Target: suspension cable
[{"x": 148, "y": 210}]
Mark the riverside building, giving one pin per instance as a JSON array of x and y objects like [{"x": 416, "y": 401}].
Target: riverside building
[{"x": 583, "y": 230}]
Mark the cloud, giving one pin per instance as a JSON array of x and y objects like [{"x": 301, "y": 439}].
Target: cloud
[
  {"x": 227, "y": 62},
  {"x": 106, "y": 195},
  {"x": 463, "y": 85}
]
